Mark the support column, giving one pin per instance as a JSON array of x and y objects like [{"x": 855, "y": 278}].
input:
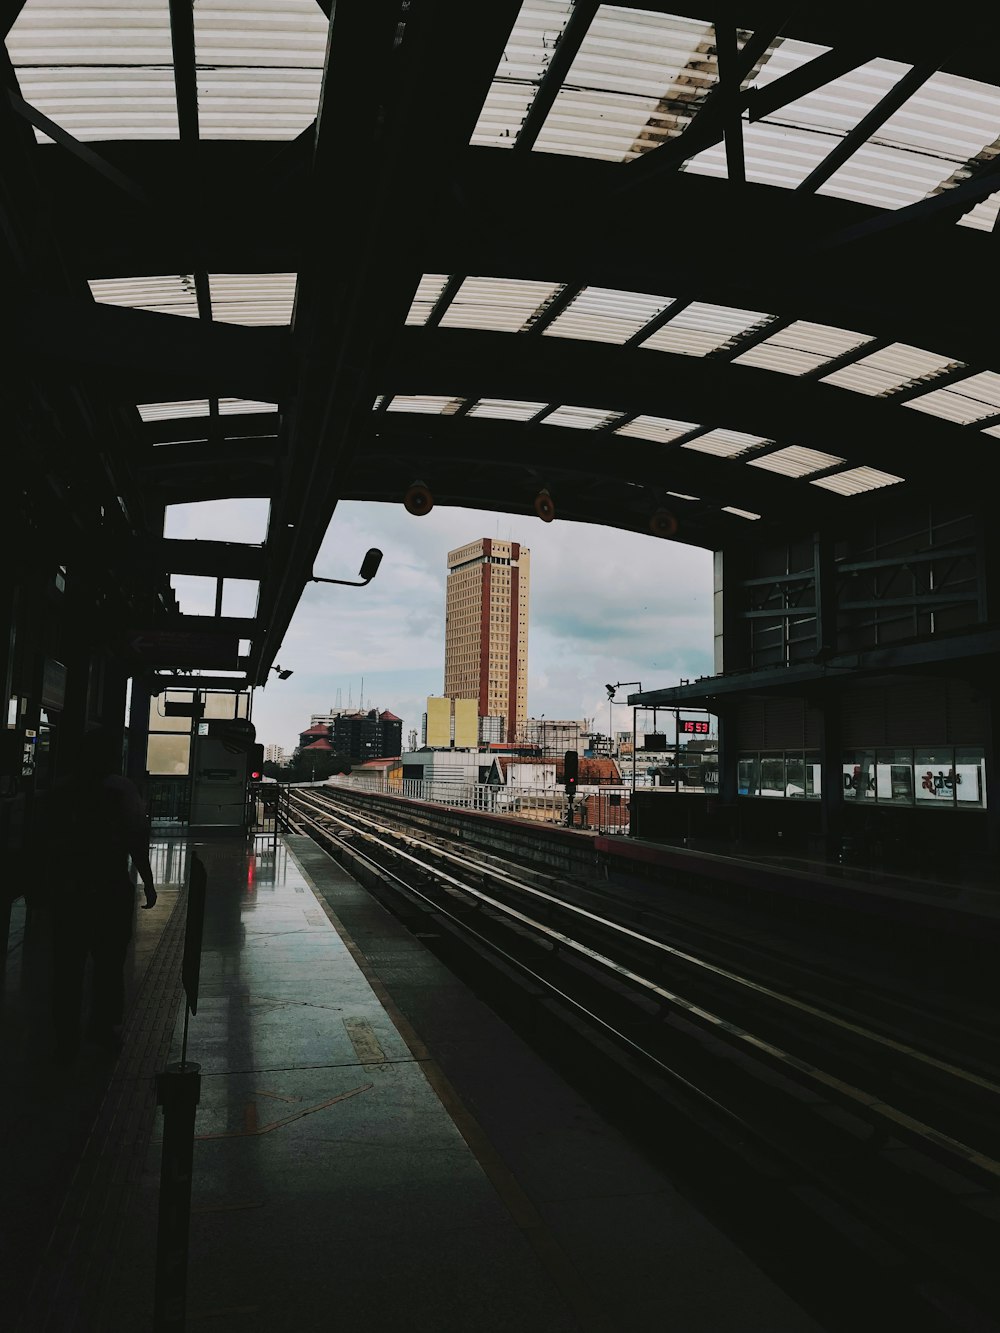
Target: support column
[{"x": 832, "y": 776}]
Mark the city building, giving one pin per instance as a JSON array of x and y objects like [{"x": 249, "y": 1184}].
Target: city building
[
  {"x": 451, "y": 723},
  {"x": 486, "y": 629},
  {"x": 554, "y": 736},
  {"x": 276, "y": 754},
  {"x": 368, "y": 735}
]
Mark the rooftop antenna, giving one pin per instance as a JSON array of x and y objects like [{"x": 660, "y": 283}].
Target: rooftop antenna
[
  {"x": 361, "y": 696},
  {"x": 350, "y": 697},
  {"x": 340, "y": 698}
]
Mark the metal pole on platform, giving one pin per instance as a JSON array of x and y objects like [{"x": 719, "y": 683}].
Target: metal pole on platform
[{"x": 178, "y": 1092}]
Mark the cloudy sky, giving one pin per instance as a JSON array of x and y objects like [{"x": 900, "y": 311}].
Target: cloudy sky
[{"x": 604, "y": 606}]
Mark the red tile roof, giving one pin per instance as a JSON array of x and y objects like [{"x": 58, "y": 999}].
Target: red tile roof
[
  {"x": 317, "y": 730},
  {"x": 389, "y": 717},
  {"x": 318, "y": 745}
]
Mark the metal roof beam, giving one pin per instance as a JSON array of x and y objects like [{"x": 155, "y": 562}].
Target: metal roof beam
[
  {"x": 231, "y": 560},
  {"x": 565, "y": 53}
]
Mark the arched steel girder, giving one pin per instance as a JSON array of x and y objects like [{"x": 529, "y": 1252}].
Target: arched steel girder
[{"x": 536, "y": 215}]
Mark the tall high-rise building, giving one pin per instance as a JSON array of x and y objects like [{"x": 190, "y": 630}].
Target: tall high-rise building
[{"x": 486, "y": 628}]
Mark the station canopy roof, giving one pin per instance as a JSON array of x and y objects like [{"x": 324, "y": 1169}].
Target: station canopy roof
[{"x": 703, "y": 280}]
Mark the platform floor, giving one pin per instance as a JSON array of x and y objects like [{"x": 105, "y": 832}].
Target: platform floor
[{"x": 373, "y": 1145}]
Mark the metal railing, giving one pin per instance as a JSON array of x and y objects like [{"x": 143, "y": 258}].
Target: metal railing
[{"x": 168, "y": 800}]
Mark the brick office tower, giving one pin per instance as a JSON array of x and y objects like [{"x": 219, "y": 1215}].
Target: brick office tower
[{"x": 486, "y": 629}]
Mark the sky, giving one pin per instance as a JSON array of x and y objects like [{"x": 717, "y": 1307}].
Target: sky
[{"x": 605, "y": 606}]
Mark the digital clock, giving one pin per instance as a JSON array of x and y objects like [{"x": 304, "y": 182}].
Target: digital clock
[{"x": 692, "y": 728}]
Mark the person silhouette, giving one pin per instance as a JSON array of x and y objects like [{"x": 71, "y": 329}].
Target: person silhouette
[{"x": 94, "y": 821}]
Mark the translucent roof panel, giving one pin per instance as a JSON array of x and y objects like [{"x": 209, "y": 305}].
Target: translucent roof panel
[
  {"x": 603, "y": 314},
  {"x": 581, "y": 418},
  {"x": 533, "y": 38},
  {"x": 504, "y": 410},
  {"x": 890, "y": 369},
  {"x": 633, "y": 84},
  {"x": 196, "y": 407},
  {"x": 661, "y": 430},
  {"x": 795, "y": 461},
  {"x": 171, "y": 294},
  {"x": 425, "y": 403},
  {"x": 801, "y": 348},
  {"x": 427, "y": 296},
  {"x": 740, "y": 513},
  {"x": 925, "y": 146},
  {"x": 969, "y": 400},
  {"x": 725, "y": 443},
  {"x": 101, "y": 72},
  {"x": 856, "y": 480},
  {"x": 252, "y": 298},
  {"x": 274, "y": 103},
  {"x": 506, "y": 305},
  {"x": 702, "y": 328},
  {"x": 229, "y": 407},
  {"x": 230, "y": 520}
]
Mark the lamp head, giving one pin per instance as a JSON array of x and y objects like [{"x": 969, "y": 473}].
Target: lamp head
[
  {"x": 282, "y": 673},
  {"x": 370, "y": 564},
  {"x": 611, "y": 691}
]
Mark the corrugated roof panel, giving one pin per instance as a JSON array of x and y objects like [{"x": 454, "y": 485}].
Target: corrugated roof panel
[
  {"x": 702, "y": 328},
  {"x": 633, "y": 84},
  {"x": 725, "y": 443},
  {"x": 991, "y": 430},
  {"x": 506, "y": 305},
  {"x": 580, "y": 418},
  {"x": 252, "y": 298},
  {"x": 426, "y": 298},
  {"x": 802, "y": 347},
  {"x": 983, "y": 217},
  {"x": 933, "y": 135},
  {"x": 195, "y": 407},
  {"x": 231, "y": 407},
  {"x": 603, "y": 314},
  {"x": 169, "y": 294},
  {"x": 970, "y": 400},
  {"x": 505, "y": 410},
  {"x": 890, "y": 369},
  {"x": 260, "y": 67},
  {"x": 740, "y": 513},
  {"x": 101, "y": 72},
  {"x": 795, "y": 461},
  {"x": 661, "y": 430},
  {"x": 526, "y": 56},
  {"x": 257, "y": 103},
  {"x": 439, "y": 406},
  {"x": 856, "y": 480}
]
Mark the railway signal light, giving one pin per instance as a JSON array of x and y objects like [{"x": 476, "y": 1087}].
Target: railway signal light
[{"x": 571, "y": 768}]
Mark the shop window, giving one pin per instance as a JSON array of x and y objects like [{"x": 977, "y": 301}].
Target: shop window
[
  {"x": 894, "y": 777},
  {"x": 970, "y": 770},
  {"x": 795, "y": 776},
  {"x": 772, "y": 775},
  {"x": 859, "y": 775},
  {"x": 748, "y": 775},
  {"x": 935, "y": 777}
]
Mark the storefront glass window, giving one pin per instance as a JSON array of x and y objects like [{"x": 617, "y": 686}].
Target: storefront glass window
[
  {"x": 970, "y": 770},
  {"x": 772, "y": 775},
  {"x": 935, "y": 776},
  {"x": 814, "y": 779},
  {"x": 795, "y": 776},
  {"x": 748, "y": 780},
  {"x": 894, "y": 777},
  {"x": 859, "y": 775}
]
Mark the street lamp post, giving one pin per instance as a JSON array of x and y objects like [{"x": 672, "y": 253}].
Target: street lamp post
[{"x": 612, "y": 689}]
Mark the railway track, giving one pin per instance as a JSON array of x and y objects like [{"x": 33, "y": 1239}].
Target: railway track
[{"x": 883, "y": 1133}]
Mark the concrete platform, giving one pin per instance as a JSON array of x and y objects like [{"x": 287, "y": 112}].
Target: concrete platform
[{"x": 373, "y": 1145}]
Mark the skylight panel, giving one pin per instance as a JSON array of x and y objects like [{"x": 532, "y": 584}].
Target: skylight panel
[
  {"x": 856, "y": 480},
  {"x": 661, "y": 430},
  {"x": 801, "y": 348},
  {"x": 428, "y": 294},
  {"x": 99, "y": 72},
  {"x": 252, "y": 298},
  {"x": 970, "y": 400},
  {"x": 581, "y": 418},
  {"x": 229, "y": 407},
  {"x": 425, "y": 403},
  {"x": 633, "y": 84},
  {"x": 890, "y": 369},
  {"x": 702, "y": 328},
  {"x": 505, "y": 410},
  {"x": 171, "y": 294},
  {"x": 195, "y": 407},
  {"x": 795, "y": 461},
  {"x": 740, "y": 513},
  {"x": 725, "y": 443},
  {"x": 227, "y": 520},
  {"x": 604, "y": 314},
  {"x": 260, "y": 66},
  {"x": 923, "y": 146},
  {"x": 505, "y": 305},
  {"x": 532, "y": 40}
]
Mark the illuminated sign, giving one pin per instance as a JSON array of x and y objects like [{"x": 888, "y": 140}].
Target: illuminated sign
[{"x": 691, "y": 728}]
